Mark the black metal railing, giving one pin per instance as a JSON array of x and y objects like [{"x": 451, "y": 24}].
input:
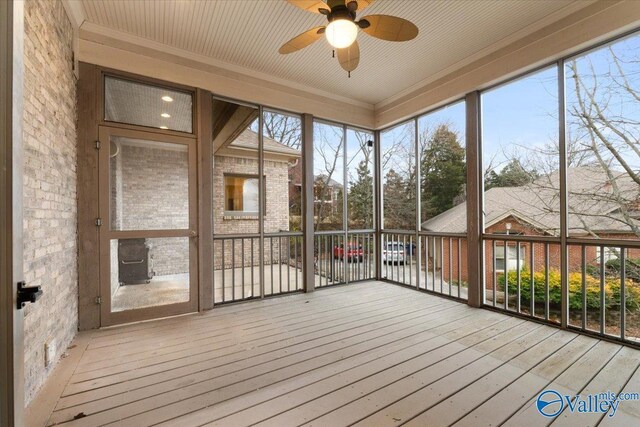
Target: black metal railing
[
  {"x": 433, "y": 262},
  {"x": 398, "y": 256},
  {"x": 241, "y": 271},
  {"x": 518, "y": 271},
  {"x": 444, "y": 264},
  {"x": 523, "y": 274},
  {"x": 341, "y": 257}
]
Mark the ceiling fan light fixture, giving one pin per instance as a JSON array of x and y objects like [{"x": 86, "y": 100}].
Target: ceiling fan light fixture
[{"x": 341, "y": 33}]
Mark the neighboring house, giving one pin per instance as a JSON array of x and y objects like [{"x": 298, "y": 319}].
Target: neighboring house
[
  {"x": 326, "y": 197},
  {"x": 533, "y": 210}
]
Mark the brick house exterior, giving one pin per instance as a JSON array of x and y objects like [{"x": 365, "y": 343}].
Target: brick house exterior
[{"x": 530, "y": 211}]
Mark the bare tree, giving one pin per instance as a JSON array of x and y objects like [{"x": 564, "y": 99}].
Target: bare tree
[{"x": 603, "y": 140}]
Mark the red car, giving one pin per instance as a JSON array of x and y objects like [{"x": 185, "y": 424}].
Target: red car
[{"x": 354, "y": 253}]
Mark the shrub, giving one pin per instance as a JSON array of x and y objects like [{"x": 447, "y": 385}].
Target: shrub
[{"x": 611, "y": 290}]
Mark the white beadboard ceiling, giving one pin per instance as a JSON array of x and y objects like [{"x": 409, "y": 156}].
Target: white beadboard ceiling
[{"x": 248, "y": 33}]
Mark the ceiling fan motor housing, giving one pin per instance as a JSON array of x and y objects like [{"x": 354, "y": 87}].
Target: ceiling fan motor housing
[{"x": 341, "y": 12}]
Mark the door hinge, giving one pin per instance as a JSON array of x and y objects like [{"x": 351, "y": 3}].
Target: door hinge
[
  {"x": 98, "y": 222},
  {"x": 97, "y": 145},
  {"x": 27, "y": 294},
  {"x": 98, "y": 300}
]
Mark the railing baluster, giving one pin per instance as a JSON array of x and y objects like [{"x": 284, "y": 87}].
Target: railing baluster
[
  {"x": 279, "y": 264},
  {"x": 450, "y": 264},
  {"x": 271, "y": 257},
  {"x": 441, "y": 265},
  {"x": 242, "y": 271},
  {"x": 404, "y": 256},
  {"x": 404, "y": 259},
  {"x": 602, "y": 272},
  {"x": 506, "y": 275},
  {"x": 288, "y": 264},
  {"x": 213, "y": 264},
  {"x": 518, "y": 291},
  {"x": 224, "y": 268},
  {"x": 583, "y": 269},
  {"x": 532, "y": 269},
  {"x": 546, "y": 281},
  {"x": 358, "y": 246},
  {"x": 623, "y": 296},
  {"x": 433, "y": 264},
  {"x": 495, "y": 274},
  {"x": 233, "y": 269},
  {"x": 459, "y": 266},
  {"x": 295, "y": 259},
  {"x": 329, "y": 260}
]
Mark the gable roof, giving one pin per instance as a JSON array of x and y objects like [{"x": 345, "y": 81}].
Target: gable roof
[
  {"x": 249, "y": 140},
  {"x": 591, "y": 204}
]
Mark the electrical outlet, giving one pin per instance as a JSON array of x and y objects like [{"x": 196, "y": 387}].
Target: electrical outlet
[{"x": 49, "y": 352}]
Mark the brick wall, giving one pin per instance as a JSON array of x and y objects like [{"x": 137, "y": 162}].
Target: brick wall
[
  {"x": 150, "y": 191},
  {"x": 277, "y": 209},
  {"x": 49, "y": 185}
]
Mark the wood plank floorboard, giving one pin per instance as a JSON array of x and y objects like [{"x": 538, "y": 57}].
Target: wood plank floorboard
[{"x": 365, "y": 354}]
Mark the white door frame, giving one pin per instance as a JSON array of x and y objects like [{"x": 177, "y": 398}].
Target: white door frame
[{"x": 11, "y": 268}]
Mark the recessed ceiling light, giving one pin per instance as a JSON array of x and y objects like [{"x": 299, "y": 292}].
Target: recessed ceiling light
[
  {"x": 167, "y": 98},
  {"x": 165, "y": 115},
  {"x": 163, "y": 127}
]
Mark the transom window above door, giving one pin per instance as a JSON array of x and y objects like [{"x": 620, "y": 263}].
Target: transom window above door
[{"x": 136, "y": 103}]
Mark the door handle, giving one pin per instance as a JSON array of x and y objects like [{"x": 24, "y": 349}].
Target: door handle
[{"x": 27, "y": 294}]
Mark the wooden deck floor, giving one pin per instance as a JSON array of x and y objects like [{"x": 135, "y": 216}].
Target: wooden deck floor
[{"x": 368, "y": 354}]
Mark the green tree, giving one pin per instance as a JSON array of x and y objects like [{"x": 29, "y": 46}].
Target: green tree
[
  {"x": 512, "y": 175},
  {"x": 399, "y": 204},
  {"x": 443, "y": 171},
  {"x": 360, "y": 200}
]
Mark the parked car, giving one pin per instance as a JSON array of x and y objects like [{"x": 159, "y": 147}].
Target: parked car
[
  {"x": 410, "y": 249},
  {"x": 354, "y": 252},
  {"x": 393, "y": 252}
]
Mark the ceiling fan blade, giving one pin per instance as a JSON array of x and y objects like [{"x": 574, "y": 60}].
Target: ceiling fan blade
[
  {"x": 349, "y": 57},
  {"x": 301, "y": 40},
  {"x": 313, "y": 6},
  {"x": 390, "y": 28},
  {"x": 364, "y": 3}
]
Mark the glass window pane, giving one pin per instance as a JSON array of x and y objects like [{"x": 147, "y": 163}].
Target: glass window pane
[
  {"x": 603, "y": 104},
  {"x": 149, "y": 272},
  {"x": 360, "y": 167},
  {"x": 282, "y": 139},
  {"x": 328, "y": 176},
  {"x": 398, "y": 159},
  {"x": 521, "y": 156},
  {"x": 149, "y": 184},
  {"x": 443, "y": 179},
  {"x": 142, "y": 104},
  {"x": 241, "y": 195}
]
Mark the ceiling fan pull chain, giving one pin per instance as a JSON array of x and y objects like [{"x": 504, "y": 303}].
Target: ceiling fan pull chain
[
  {"x": 349, "y": 73},
  {"x": 333, "y": 53}
]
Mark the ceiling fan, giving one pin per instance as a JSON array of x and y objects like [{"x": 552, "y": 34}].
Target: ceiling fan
[{"x": 342, "y": 30}]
